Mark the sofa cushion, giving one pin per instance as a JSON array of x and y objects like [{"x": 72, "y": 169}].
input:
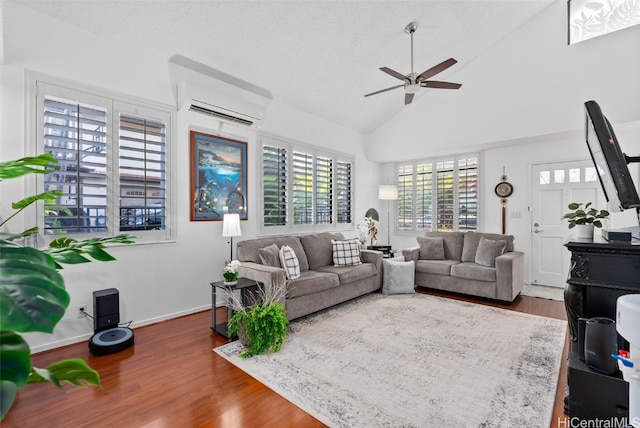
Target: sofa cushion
[
  {"x": 488, "y": 250},
  {"x": 247, "y": 251},
  {"x": 438, "y": 267},
  {"x": 311, "y": 281},
  {"x": 348, "y": 274},
  {"x": 289, "y": 262},
  {"x": 452, "y": 243},
  {"x": 318, "y": 248},
  {"x": 346, "y": 253},
  {"x": 399, "y": 276},
  {"x": 472, "y": 239},
  {"x": 474, "y": 271},
  {"x": 270, "y": 256},
  {"x": 431, "y": 248}
]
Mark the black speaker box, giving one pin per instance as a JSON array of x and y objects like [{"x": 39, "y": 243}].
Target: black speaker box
[
  {"x": 600, "y": 341},
  {"x": 106, "y": 309}
]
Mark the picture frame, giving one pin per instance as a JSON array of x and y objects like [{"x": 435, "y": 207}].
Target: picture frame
[{"x": 218, "y": 177}]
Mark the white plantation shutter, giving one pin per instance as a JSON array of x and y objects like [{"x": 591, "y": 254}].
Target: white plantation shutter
[
  {"x": 304, "y": 187},
  {"x": 438, "y": 195},
  {"x": 113, "y": 158},
  {"x": 344, "y": 191},
  {"x": 324, "y": 190},
  {"x": 274, "y": 185},
  {"x": 142, "y": 166},
  {"x": 302, "y": 190},
  {"x": 76, "y": 135}
]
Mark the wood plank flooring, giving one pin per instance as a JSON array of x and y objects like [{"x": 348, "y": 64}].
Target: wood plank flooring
[{"x": 171, "y": 378}]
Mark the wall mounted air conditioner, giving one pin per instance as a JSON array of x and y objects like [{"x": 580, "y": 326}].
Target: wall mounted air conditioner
[{"x": 244, "y": 108}]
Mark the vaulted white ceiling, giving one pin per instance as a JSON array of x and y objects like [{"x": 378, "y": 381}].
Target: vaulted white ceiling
[{"x": 320, "y": 57}]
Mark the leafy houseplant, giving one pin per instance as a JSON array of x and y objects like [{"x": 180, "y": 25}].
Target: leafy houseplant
[
  {"x": 584, "y": 216},
  {"x": 32, "y": 292},
  {"x": 262, "y": 325}
]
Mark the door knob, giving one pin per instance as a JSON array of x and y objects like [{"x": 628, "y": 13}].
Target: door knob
[{"x": 537, "y": 231}]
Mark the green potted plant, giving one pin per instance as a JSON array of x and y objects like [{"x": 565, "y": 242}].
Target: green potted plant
[
  {"x": 33, "y": 297},
  {"x": 231, "y": 272},
  {"x": 261, "y": 325},
  {"x": 584, "y": 219}
]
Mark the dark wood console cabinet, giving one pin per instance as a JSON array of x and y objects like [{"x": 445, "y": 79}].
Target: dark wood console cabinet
[{"x": 600, "y": 272}]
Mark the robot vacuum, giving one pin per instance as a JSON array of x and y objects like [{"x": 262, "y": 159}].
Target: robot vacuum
[{"x": 108, "y": 338}]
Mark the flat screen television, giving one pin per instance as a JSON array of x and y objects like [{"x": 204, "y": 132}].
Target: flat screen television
[{"x": 610, "y": 161}]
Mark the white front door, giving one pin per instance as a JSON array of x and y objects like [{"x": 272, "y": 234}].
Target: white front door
[{"x": 553, "y": 187}]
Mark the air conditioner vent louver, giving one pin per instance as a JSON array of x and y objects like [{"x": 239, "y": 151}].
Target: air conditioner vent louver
[
  {"x": 220, "y": 115},
  {"x": 227, "y": 103}
]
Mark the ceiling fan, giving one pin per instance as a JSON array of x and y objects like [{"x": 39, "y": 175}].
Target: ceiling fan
[{"x": 413, "y": 81}]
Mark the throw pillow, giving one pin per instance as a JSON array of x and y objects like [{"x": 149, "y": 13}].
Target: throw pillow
[
  {"x": 488, "y": 250},
  {"x": 431, "y": 248},
  {"x": 346, "y": 253},
  {"x": 289, "y": 262},
  {"x": 270, "y": 256},
  {"x": 398, "y": 276}
]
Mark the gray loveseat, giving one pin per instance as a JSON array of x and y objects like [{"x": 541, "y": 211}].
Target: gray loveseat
[
  {"x": 321, "y": 284},
  {"x": 455, "y": 267}
]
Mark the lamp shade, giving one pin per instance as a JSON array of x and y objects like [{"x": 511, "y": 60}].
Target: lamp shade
[
  {"x": 231, "y": 225},
  {"x": 388, "y": 192}
]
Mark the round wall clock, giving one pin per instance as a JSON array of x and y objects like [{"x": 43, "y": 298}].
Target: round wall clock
[{"x": 504, "y": 189}]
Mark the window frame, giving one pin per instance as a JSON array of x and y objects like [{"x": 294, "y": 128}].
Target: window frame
[
  {"x": 405, "y": 169},
  {"x": 39, "y": 85},
  {"x": 337, "y": 197}
]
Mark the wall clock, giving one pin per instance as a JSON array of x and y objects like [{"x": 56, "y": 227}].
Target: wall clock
[{"x": 504, "y": 189}]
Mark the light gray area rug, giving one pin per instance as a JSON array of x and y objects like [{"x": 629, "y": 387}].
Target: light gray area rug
[{"x": 416, "y": 361}]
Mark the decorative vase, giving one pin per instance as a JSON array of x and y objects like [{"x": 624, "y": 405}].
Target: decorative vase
[
  {"x": 584, "y": 231},
  {"x": 234, "y": 282}
]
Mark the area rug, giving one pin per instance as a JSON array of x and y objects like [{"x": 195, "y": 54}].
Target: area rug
[{"x": 415, "y": 361}]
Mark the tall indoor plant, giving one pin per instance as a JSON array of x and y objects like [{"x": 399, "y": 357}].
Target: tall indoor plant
[{"x": 33, "y": 297}]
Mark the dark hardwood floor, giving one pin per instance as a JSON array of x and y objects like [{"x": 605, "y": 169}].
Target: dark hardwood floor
[{"x": 171, "y": 378}]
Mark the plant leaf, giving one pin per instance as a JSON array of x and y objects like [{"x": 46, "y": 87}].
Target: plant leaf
[
  {"x": 42, "y": 164},
  {"x": 74, "y": 371},
  {"x": 8, "y": 392},
  {"x": 49, "y": 197},
  {"x": 15, "y": 359},
  {"x": 32, "y": 292},
  {"x": 68, "y": 250}
]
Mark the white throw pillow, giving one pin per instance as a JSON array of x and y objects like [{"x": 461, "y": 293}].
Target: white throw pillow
[
  {"x": 289, "y": 262},
  {"x": 346, "y": 253}
]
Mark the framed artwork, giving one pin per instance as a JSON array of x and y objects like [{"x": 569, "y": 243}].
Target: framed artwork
[
  {"x": 218, "y": 177},
  {"x": 593, "y": 18}
]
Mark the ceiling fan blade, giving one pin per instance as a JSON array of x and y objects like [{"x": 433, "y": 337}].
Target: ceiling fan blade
[
  {"x": 440, "y": 85},
  {"x": 384, "y": 90},
  {"x": 436, "y": 69},
  {"x": 408, "y": 98},
  {"x": 393, "y": 73}
]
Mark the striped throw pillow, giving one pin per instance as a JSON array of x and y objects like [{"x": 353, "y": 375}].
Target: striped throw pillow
[{"x": 346, "y": 253}]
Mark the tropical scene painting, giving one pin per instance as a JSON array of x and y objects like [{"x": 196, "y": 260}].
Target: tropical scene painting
[{"x": 218, "y": 177}]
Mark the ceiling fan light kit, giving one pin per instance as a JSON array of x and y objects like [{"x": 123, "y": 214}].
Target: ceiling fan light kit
[{"x": 413, "y": 81}]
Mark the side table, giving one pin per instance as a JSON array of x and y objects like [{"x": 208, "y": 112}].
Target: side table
[{"x": 243, "y": 285}]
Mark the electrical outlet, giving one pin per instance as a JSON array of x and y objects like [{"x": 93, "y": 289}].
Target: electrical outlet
[{"x": 81, "y": 310}]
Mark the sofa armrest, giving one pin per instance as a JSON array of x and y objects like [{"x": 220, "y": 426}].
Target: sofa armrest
[
  {"x": 509, "y": 275},
  {"x": 374, "y": 257},
  {"x": 267, "y": 275},
  {"x": 412, "y": 253}
]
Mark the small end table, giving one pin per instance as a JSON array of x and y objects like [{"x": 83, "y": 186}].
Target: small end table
[{"x": 243, "y": 285}]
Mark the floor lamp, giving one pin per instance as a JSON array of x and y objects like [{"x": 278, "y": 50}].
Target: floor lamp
[
  {"x": 231, "y": 228},
  {"x": 388, "y": 192}
]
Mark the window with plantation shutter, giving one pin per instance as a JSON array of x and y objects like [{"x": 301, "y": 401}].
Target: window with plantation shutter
[
  {"x": 274, "y": 185},
  {"x": 324, "y": 190},
  {"x": 344, "y": 191},
  {"x": 438, "y": 195},
  {"x": 304, "y": 187},
  {"x": 113, "y": 159},
  {"x": 142, "y": 173},
  {"x": 76, "y": 135}
]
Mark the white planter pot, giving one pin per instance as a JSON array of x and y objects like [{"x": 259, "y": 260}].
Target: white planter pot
[{"x": 584, "y": 231}]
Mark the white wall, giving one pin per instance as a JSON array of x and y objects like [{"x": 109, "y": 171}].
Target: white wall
[{"x": 156, "y": 281}]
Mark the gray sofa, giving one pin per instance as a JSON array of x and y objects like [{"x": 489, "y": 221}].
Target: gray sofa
[
  {"x": 321, "y": 284},
  {"x": 457, "y": 269}
]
